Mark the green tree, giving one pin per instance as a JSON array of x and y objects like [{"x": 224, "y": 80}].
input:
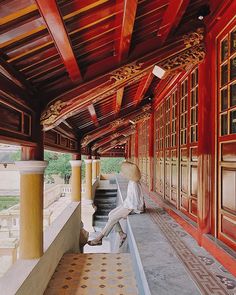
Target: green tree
[
  {"x": 15, "y": 156},
  {"x": 58, "y": 164},
  {"x": 111, "y": 165}
]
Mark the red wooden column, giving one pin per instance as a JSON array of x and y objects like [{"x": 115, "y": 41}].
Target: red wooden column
[
  {"x": 205, "y": 137},
  {"x": 151, "y": 151},
  {"x": 35, "y": 152},
  {"x": 76, "y": 156},
  {"x": 136, "y": 146}
]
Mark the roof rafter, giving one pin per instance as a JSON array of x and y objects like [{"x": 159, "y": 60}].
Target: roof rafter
[
  {"x": 93, "y": 114},
  {"x": 51, "y": 14},
  {"x": 112, "y": 145},
  {"x": 119, "y": 97},
  {"x": 171, "y": 18},
  {"x": 12, "y": 74},
  {"x": 130, "y": 7},
  {"x": 172, "y": 57},
  {"x": 136, "y": 116},
  {"x": 142, "y": 88},
  {"x": 109, "y": 138}
]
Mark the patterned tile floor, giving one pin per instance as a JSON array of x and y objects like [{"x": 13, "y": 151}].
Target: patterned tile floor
[
  {"x": 209, "y": 275},
  {"x": 93, "y": 274}
]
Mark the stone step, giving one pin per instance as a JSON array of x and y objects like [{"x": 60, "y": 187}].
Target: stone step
[
  {"x": 100, "y": 218},
  {"x": 106, "y": 190},
  {"x": 105, "y": 195},
  {"x": 105, "y": 200},
  {"x": 99, "y": 224},
  {"x": 105, "y": 206},
  {"x": 103, "y": 211}
]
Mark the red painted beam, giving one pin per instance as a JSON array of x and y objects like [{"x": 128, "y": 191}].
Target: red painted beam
[
  {"x": 142, "y": 88},
  {"x": 93, "y": 114},
  {"x": 56, "y": 27},
  {"x": 119, "y": 97},
  {"x": 130, "y": 7},
  {"x": 16, "y": 77},
  {"x": 171, "y": 18}
]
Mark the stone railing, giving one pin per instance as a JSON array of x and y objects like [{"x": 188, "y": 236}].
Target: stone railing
[{"x": 27, "y": 277}]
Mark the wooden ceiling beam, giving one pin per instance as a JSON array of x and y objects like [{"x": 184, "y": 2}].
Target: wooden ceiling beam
[
  {"x": 171, "y": 18},
  {"x": 130, "y": 8},
  {"x": 93, "y": 114},
  {"x": 114, "y": 143},
  {"x": 51, "y": 14},
  {"x": 12, "y": 74},
  {"x": 119, "y": 97},
  {"x": 109, "y": 138},
  {"x": 103, "y": 86},
  {"x": 16, "y": 15},
  {"x": 113, "y": 126},
  {"x": 143, "y": 87}
]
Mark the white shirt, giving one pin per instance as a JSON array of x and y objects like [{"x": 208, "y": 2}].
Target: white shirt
[{"x": 134, "y": 199}]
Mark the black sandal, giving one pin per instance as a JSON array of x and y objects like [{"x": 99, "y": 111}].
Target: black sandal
[
  {"x": 95, "y": 243},
  {"x": 122, "y": 240}
]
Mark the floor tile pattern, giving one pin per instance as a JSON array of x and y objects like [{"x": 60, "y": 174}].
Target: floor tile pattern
[
  {"x": 207, "y": 273},
  {"x": 93, "y": 274}
]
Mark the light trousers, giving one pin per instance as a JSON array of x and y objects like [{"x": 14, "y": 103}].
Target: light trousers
[{"x": 113, "y": 220}]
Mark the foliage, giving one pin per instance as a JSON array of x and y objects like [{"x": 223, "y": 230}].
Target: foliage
[
  {"x": 111, "y": 165},
  {"x": 16, "y": 156},
  {"x": 58, "y": 164},
  {"x": 8, "y": 201}
]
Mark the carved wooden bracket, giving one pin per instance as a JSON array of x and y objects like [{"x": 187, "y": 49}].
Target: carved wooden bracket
[{"x": 188, "y": 50}]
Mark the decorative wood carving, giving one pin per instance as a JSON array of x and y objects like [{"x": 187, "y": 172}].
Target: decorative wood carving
[
  {"x": 194, "y": 38},
  {"x": 108, "y": 84},
  {"x": 52, "y": 112},
  {"x": 126, "y": 72},
  {"x": 185, "y": 60},
  {"x": 117, "y": 123}
]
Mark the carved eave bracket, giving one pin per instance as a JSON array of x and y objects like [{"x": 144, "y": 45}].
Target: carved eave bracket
[
  {"x": 182, "y": 54},
  {"x": 49, "y": 116},
  {"x": 185, "y": 60}
]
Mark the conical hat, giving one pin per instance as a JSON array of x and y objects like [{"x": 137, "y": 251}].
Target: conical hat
[{"x": 130, "y": 171}]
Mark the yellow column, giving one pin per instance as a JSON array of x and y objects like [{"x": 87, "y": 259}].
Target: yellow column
[
  {"x": 98, "y": 168},
  {"x": 88, "y": 179},
  {"x": 76, "y": 180},
  {"x": 94, "y": 169},
  {"x": 31, "y": 208}
]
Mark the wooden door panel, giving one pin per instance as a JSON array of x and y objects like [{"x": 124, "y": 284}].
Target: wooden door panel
[
  {"x": 193, "y": 181},
  {"x": 226, "y": 123},
  {"x": 184, "y": 178},
  {"x": 228, "y": 199}
]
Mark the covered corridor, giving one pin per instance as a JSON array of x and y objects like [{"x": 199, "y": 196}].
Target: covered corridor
[{"x": 151, "y": 81}]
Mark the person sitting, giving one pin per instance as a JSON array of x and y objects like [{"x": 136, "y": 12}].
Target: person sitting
[{"x": 134, "y": 203}]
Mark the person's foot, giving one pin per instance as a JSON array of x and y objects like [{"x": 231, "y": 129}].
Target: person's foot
[
  {"x": 123, "y": 237},
  {"x": 95, "y": 242}
]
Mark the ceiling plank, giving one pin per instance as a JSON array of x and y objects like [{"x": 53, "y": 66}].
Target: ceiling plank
[
  {"x": 119, "y": 97},
  {"x": 142, "y": 88},
  {"x": 56, "y": 27},
  {"x": 137, "y": 115},
  {"x": 18, "y": 14},
  {"x": 12, "y": 74},
  {"x": 130, "y": 7},
  {"x": 171, "y": 18},
  {"x": 93, "y": 114},
  {"x": 106, "y": 85}
]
